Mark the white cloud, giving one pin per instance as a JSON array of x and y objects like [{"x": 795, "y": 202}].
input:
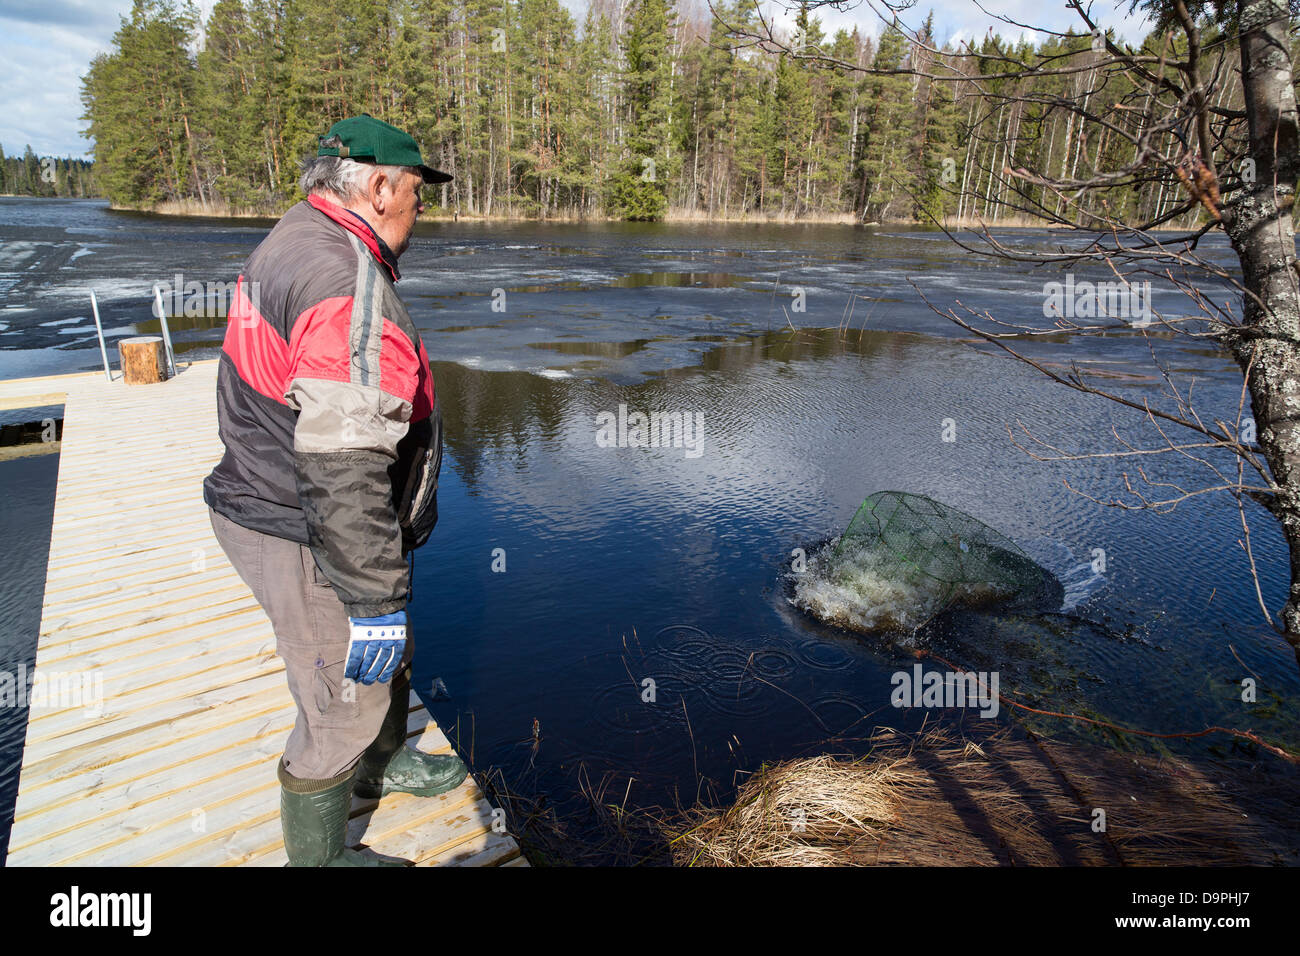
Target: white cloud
[
  {"x": 47, "y": 46},
  {"x": 42, "y": 85}
]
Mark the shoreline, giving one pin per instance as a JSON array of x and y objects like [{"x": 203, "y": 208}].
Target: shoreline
[
  {"x": 192, "y": 210},
  {"x": 189, "y": 209}
]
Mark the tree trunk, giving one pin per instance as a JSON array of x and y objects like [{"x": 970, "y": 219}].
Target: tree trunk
[
  {"x": 143, "y": 360},
  {"x": 1262, "y": 230}
]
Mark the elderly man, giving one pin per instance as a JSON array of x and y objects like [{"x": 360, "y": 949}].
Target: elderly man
[{"x": 333, "y": 438}]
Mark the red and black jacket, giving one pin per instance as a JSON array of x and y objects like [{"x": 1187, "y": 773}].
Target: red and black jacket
[{"x": 326, "y": 406}]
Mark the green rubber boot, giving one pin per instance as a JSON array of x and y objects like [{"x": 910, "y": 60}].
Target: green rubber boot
[
  {"x": 414, "y": 772},
  {"x": 389, "y": 766},
  {"x": 314, "y": 818}
]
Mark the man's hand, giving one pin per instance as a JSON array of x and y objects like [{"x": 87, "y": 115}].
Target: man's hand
[{"x": 375, "y": 647}]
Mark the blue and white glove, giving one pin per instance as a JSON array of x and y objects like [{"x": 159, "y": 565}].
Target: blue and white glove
[{"x": 375, "y": 647}]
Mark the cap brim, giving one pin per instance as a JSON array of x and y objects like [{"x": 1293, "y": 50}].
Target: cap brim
[{"x": 432, "y": 175}]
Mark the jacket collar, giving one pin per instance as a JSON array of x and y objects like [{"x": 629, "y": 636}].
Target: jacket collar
[{"x": 361, "y": 229}]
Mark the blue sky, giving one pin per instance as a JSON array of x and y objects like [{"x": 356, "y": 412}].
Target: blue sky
[{"x": 48, "y": 44}]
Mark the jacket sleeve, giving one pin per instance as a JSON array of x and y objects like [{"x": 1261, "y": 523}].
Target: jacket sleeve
[{"x": 351, "y": 381}]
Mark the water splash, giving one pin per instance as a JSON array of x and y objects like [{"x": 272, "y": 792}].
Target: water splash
[
  {"x": 1079, "y": 578},
  {"x": 861, "y": 590}
]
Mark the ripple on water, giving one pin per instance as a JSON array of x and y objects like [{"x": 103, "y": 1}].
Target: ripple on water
[
  {"x": 619, "y": 708},
  {"x": 773, "y": 663},
  {"x": 744, "y": 700},
  {"x": 822, "y": 655},
  {"x": 727, "y": 679},
  {"x": 684, "y": 645},
  {"x": 839, "y": 713},
  {"x": 732, "y": 689},
  {"x": 728, "y": 665}
]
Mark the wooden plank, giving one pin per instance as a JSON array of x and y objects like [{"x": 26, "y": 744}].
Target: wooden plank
[
  {"x": 215, "y": 621},
  {"x": 76, "y": 778},
  {"x": 142, "y": 715},
  {"x": 486, "y": 849},
  {"x": 156, "y": 626},
  {"x": 98, "y": 744},
  {"x": 149, "y": 600},
  {"x": 32, "y": 400},
  {"x": 122, "y": 551},
  {"x": 152, "y": 648},
  {"x": 146, "y": 577}
]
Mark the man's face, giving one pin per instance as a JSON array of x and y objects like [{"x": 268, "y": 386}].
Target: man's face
[
  {"x": 407, "y": 207},
  {"x": 395, "y": 205}
]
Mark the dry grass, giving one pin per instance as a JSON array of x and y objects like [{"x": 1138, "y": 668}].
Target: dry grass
[
  {"x": 219, "y": 209},
  {"x": 30, "y": 450},
  {"x": 812, "y": 812},
  {"x": 216, "y": 209},
  {"x": 676, "y": 214},
  {"x": 939, "y": 800}
]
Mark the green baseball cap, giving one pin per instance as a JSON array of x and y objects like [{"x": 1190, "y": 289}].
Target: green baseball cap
[{"x": 366, "y": 138}]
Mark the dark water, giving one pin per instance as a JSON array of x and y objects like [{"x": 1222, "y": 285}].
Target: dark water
[
  {"x": 622, "y": 564},
  {"x": 26, "y": 515}
]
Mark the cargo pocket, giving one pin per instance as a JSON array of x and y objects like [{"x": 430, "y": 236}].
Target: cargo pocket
[
  {"x": 315, "y": 676},
  {"x": 333, "y": 700},
  {"x": 337, "y": 700}
]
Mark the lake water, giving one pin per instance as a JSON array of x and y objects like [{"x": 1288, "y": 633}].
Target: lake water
[{"x": 626, "y": 563}]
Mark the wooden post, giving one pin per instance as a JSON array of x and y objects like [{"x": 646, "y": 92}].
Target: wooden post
[{"x": 144, "y": 360}]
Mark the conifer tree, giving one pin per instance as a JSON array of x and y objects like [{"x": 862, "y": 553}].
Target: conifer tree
[{"x": 639, "y": 190}]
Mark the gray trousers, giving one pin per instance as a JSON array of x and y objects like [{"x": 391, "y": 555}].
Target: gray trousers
[{"x": 337, "y": 720}]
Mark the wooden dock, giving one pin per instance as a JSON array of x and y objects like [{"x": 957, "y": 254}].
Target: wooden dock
[{"x": 175, "y": 765}]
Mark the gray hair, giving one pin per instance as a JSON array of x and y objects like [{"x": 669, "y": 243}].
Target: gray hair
[{"x": 344, "y": 178}]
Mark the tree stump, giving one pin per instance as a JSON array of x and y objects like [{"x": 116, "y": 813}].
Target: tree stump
[{"x": 144, "y": 360}]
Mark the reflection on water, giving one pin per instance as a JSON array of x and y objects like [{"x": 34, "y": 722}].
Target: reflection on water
[{"x": 678, "y": 280}]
